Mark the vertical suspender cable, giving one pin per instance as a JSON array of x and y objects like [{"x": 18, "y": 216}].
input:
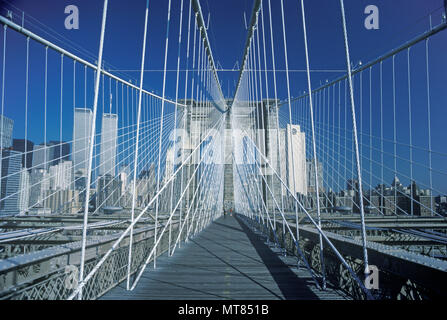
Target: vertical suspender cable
[
  {"x": 3, "y": 105},
  {"x": 185, "y": 115},
  {"x": 110, "y": 95},
  {"x": 137, "y": 144},
  {"x": 45, "y": 105},
  {"x": 394, "y": 134},
  {"x": 278, "y": 140},
  {"x": 199, "y": 95},
  {"x": 327, "y": 139},
  {"x": 201, "y": 108},
  {"x": 261, "y": 104},
  {"x": 191, "y": 161},
  {"x": 199, "y": 125},
  {"x": 201, "y": 117},
  {"x": 264, "y": 129},
  {"x": 410, "y": 132},
  {"x": 314, "y": 145},
  {"x": 91, "y": 145},
  {"x": 354, "y": 124},
  {"x": 267, "y": 95},
  {"x": 161, "y": 127},
  {"x": 333, "y": 140},
  {"x": 175, "y": 116},
  {"x": 382, "y": 190},
  {"x": 429, "y": 125},
  {"x": 258, "y": 100},
  {"x": 197, "y": 113},
  {"x": 26, "y": 104},
  {"x": 339, "y": 134},
  {"x": 256, "y": 108},
  {"x": 85, "y": 86},
  {"x": 345, "y": 166},
  {"x": 74, "y": 106},
  {"x": 370, "y": 132},
  {"x": 102, "y": 86},
  {"x": 289, "y": 130},
  {"x": 361, "y": 120},
  {"x": 61, "y": 107}
]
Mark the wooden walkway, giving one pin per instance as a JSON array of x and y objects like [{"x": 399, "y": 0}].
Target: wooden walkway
[{"x": 226, "y": 261}]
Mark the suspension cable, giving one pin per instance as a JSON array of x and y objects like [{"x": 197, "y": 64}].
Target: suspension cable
[
  {"x": 137, "y": 142},
  {"x": 354, "y": 124},
  {"x": 91, "y": 145}
]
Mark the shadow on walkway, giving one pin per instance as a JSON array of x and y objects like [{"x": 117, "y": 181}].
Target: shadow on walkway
[
  {"x": 291, "y": 286},
  {"x": 225, "y": 261}
]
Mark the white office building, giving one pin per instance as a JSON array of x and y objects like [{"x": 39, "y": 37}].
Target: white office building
[
  {"x": 41, "y": 157},
  {"x": 24, "y": 191},
  {"x": 81, "y": 137},
  {"x": 6, "y": 127},
  {"x": 10, "y": 183},
  {"x": 109, "y": 135},
  {"x": 39, "y": 184},
  {"x": 296, "y": 161},
  {"x": 61, "y": 176}
]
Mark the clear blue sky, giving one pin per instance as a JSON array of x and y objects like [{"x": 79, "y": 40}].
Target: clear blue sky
[{"x": 400, "y": 20}]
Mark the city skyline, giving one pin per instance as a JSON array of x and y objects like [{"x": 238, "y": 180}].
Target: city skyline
[
  {"x": 62, "y": 111},
  {"x": 302, "y": 144}
]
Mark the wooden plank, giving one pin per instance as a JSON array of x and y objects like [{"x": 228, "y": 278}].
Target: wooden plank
[{"x": 225, "y": 261}]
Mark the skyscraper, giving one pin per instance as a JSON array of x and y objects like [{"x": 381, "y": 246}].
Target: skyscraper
[
  {"x": 296, "y": 162},
  {"x": 24, "y": 191},
  {"x": 123, "y": 177},
  {"x": 62, "y": 201},
  {"x": 11, "y": 163},
  {"x": 109, "y": 133},
  {"x": 6, "y": 126},
  {"x": 39, "y": 184},
  {"x": 108, "y": 192},
  {"x": 61, "y": 176},
  {"x": 41, "y": 157},
  {"x": 45, "y": 155},
  {"x": 81, "y": 137},
  {"x": 27, "y": 146},
  {"x": 311, "y": 176},
  {"x": 169, "y": 167},
  {"x": 59, "y": 151}
]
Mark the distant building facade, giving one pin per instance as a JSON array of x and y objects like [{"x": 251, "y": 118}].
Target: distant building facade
[
  {"x": 41, "y": 157},
  {"x": 296, "y": 160},
  {"x": 6, "y": 127},
  {"x": 58, "y": 151},
  {"x": 109, "y": 136},
  {"x": 26, "y": 147},
  {"x": 39, "y": 184},
  {"x": 61, "y": 176},
  {"x": 11, "y": 163},
  {"x": 24, "y": 191},
  {"x": 108, "y": 192},
  {"x": 62, "y": 201},
  {"x": 81, "y": 136}
]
